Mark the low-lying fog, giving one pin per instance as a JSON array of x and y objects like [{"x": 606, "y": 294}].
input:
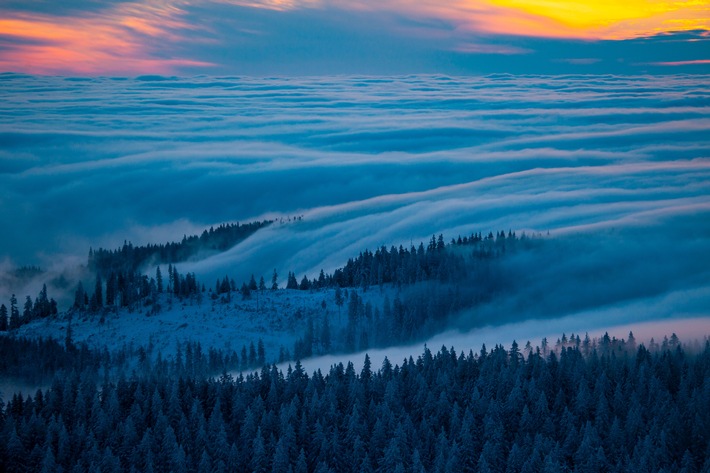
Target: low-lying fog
[
  {"x": 688, "y": 330},
  {"x": 365, "y": 161}
]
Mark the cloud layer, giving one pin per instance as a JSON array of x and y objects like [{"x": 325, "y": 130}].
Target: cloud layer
[{"x": 367, "y": 161}]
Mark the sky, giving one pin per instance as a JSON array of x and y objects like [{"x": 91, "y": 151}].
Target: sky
[{"x": 316, "y": 37}]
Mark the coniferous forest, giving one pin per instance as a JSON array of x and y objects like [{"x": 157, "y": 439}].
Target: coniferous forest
[
  {"x": 424, "y": 286},
  {"x": 599, "y": 407},
  {"x": 580, "y": 405},
  {"x": 130, "y": 258},
  {"x": 338, "y": 236}
]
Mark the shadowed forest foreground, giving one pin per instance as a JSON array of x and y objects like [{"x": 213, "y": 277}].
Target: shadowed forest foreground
[{"x": 612, "y": 408}]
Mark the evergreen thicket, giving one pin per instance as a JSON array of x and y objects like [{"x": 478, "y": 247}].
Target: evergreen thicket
[
  {"x": 121, "y": 281},
  {"x": 130, "y": 258},
  {"x": 616, "y": 409},
  {"x": 425, "y": 287}
]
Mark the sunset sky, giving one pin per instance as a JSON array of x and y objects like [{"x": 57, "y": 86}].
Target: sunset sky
[{"x": 297, "y": 37}]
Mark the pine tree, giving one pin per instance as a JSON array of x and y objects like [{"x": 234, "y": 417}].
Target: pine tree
[
  {"x": 111, "y": 290},
  {"x": 15, "y": 460},
  {"x": 98, "y": 292},
  {"x": 170, "y": 278},
  {"x": 325, "y": 335},
  {"x": 339, "y": 299},
  {"x": 245, "y": 291},
  {"x": 205, "y": 465},
  {"x": 259, "y": 462},
  {"x": 27, "y": 311},
  {"x": 261, "y": 353},
  {"x": 42, "y": 305},
  {"x": 252, "y": 284},
  {"x": 252, "y": 354},
  {"x": 159, "y": 279},
  {"x": 291, "y": 281},
  {"x": 281, "y": 459},
  {"x": 233, "y": 461},
  {"x": 453, "y": 464},
  {"x": 49, "y": 463},
  {"x": 392, "y": 456},
  {"x": 79, "y": 297},
  {"x": 274, "y": 281},
  {"x": 3, "y": 318},
  {"x": 301, "y": 465},
  {"x": 305, "y": 284},
  {"x": 244, "y": 358}
]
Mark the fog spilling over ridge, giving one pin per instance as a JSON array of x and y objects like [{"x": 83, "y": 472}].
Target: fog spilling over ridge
[
  {"x": 690, "y": 331},
  {"x": 365, "y": 161}
]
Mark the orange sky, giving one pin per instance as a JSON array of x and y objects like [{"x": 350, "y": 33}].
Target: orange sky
[
  {"x": 138, "y": 37},
  {"x": 594, "y": 19},
  {"x": 615, "y": 19}
]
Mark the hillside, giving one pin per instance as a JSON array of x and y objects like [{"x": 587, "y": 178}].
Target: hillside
[{"x": 278, "y": 318}]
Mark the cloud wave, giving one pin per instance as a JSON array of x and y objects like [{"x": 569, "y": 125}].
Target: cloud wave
[{"x": 367, "y": 161}]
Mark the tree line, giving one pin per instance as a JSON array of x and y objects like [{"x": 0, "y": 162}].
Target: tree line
[
  {"x": 42, "y": 306},
  {"x": 38, "y": 361},
  {"x": 432, "y": 283},
  {"x": 400, "y": 266},
  {"x": 624, "y": 409},
  {"x": 130, "y": 258}
]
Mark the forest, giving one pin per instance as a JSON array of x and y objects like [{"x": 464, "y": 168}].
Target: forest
[
  {"x": 420, "y": 289},
  {"x": 597, "y": 406},
  {"x": 578, "y": 405},
  {"x": 129, "y": 258}
]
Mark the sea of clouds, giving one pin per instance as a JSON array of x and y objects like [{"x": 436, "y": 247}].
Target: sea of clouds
[{"x": 616, "y": 169}]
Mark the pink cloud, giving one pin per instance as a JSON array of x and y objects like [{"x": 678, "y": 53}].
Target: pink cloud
[
  {"x": 682, "y": 63},
  {"x": 116, "y": 41}
]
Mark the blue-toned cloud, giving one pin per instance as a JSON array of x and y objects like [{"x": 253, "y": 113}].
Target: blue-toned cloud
[{"x": 366, "y": 161}]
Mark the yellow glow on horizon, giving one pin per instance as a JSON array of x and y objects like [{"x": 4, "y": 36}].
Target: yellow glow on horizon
[
  {"x": 115, "y": 40},
  {"x": 601, "y": 19},
  {"x": 589, "y": 14},
  {"x": 586, "y": 19}
]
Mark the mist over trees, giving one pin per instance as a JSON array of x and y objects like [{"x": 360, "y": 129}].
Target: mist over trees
[
  {"x": 617, "y": 408},
  {"x": 578, "y": 404},
  {"x": 130, "y": 258},
  {"x": 43, "y": 306},
  {"x": 38, "y": 361},
  {"x": 421, "y": 288}
]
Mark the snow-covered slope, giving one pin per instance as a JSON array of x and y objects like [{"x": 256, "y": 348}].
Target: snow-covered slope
[{"x": 278, "y": 318}]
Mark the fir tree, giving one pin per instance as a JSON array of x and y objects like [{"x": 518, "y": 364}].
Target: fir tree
[
  {"x": 3, "y": 318},
  {"x": 274, "y": 281},
  {"x": 159, "y": 279},
  {"x": 98, "y": 292}
]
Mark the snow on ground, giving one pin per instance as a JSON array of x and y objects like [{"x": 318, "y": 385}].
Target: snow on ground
[{"x": 278, "y": 318}]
